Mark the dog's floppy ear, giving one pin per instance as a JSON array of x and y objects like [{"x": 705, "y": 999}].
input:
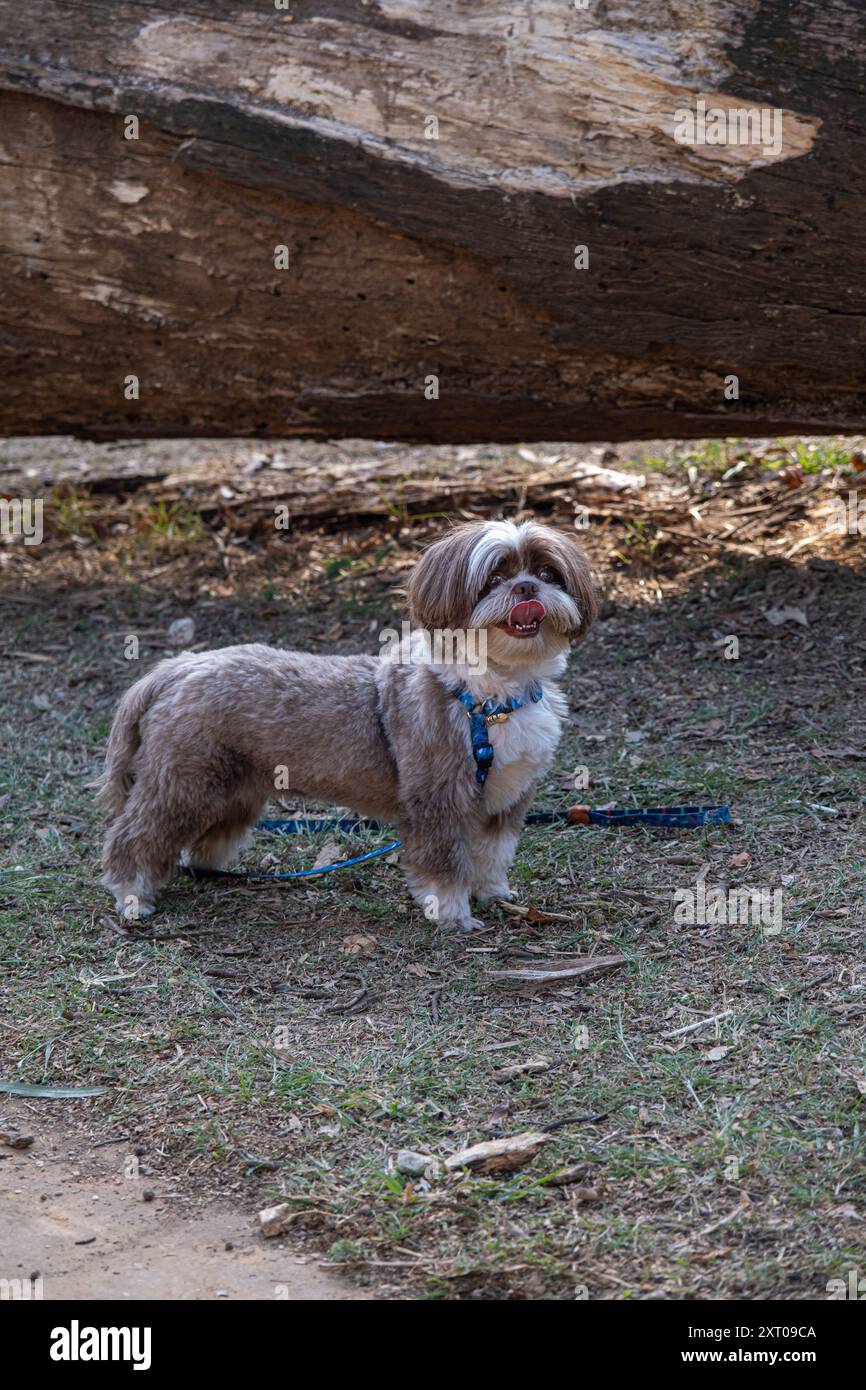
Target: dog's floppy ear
[
  {"x": 438, "y": 591},
  {"x": 570, "y": 560}
]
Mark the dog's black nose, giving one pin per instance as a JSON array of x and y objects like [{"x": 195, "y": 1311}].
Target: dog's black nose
[{"x": 527, "y": 588}]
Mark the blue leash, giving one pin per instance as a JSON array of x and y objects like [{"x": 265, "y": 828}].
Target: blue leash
[
  {"x": 295, "y": 827},
  {"x": 676, "y": 817}
]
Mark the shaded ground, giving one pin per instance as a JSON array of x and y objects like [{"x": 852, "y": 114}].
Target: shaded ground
[{"x": 268, "y": 1043}]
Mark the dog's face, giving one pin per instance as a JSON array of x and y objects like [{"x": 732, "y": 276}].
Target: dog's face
[{"x": 528, "y": 586}]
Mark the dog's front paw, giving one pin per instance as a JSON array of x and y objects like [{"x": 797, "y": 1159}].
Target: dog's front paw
[
  {"x": 459, "y": 920},
  {"x": 466, "y": 924},
  {"x": 131, "y": 907},
  {"x": 446, "y": 905},
  {"x": 132, "y": 910},
  {"x": 488, "y": 893}
]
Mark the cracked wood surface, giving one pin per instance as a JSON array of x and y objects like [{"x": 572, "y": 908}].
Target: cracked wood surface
[{"x": 412, "y": 256}]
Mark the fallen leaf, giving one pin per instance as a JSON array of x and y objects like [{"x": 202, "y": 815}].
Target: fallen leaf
[
  {"x": 19, "y": 1088},
  {"x": 791, "y": 476},
  {"x": 498, "y": 1115},
  {"x": 330, "y": 853},
  {"x": 716, "y": 1054},
  {"x": 566, "y": 1176},
  {"x": 359, "y": 946},
  {"x": 712, "y": 726},
  {"x": 741, "y": 860},
  {"x": 857, "y": 753},
  {"x": 777, "y": 616}
]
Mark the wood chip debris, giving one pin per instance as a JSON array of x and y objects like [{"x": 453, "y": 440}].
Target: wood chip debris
[
  {"x": 499, "y": 1155},
  {"x": 528, "y": 1068},
  {"x": 534, "y": 914},
  {"x": 699, "y": 1023},
  {"x": 579, "y": 968}
]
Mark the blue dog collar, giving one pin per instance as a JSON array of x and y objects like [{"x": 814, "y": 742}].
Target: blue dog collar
[{"x": 482, "y": 713}]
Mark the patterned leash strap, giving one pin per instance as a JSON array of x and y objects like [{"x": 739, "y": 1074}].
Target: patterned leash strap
[{"x": 685, "y": 817}]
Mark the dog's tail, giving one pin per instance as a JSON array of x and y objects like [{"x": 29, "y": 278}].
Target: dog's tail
[{"x": 124, "y": 740}]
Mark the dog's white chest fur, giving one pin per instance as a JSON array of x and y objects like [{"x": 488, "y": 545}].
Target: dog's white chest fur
[
  {"x": 523, "y": 744},
  {"x": 523, "y": 748}
]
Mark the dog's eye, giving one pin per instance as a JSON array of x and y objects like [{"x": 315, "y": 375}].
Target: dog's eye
[
  {"x": 494, "y": 581},
  {"x": 548, "y": 575}
]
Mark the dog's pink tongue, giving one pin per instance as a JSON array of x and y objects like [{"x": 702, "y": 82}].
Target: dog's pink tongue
[{"x": 529, "y": 612}]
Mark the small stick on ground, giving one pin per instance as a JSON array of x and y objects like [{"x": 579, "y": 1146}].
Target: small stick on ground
[{"x": 701, "y": 1023}]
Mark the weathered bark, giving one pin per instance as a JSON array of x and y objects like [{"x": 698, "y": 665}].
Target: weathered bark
[{"x": 413, "y": 257}]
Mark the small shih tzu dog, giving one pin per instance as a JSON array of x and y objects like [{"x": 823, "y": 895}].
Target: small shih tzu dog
[{"x": 449, "y": 753}]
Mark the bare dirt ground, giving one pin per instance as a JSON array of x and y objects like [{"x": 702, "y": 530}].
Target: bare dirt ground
[
  {"x": 258, "y": 1043},
  {"x": 77, "y": 1218}
]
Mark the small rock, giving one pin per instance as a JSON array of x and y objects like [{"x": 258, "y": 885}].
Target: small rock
[
  {"x": 181, "y": 632},
  {"x": 413, "y": 1165},
  {"x": 148, "y": 1195},
  {"x": 274, "y": 1220},
  {"x": 15, "y": 1140},
  {"x": 256, "y": 462}
]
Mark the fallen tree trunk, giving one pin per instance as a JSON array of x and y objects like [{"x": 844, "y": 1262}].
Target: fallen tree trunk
[{"x": 498, "y": 221}]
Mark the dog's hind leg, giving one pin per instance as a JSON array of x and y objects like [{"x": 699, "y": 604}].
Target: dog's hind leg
[
  {"x": 143, "y": 844},
  {"x": 137, "y": 859},
  {"x": 228, "y": 837}
]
